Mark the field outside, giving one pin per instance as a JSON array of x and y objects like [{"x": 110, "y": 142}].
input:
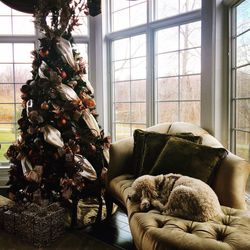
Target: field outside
[{"x": 7, "y": 136}]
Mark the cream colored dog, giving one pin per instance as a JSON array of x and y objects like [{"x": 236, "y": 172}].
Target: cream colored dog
[{"x": 176, "y": 195}]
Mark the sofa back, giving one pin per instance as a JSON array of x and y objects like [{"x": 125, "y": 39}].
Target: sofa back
[{"x": 231, "y": 177}]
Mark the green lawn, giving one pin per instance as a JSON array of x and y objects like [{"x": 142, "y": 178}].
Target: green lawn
[{"x": 7, "y": 135}]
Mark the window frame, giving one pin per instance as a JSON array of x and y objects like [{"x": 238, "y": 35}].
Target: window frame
[
  {"x": 149, "y": 29},
  {"x": 232, "y": 67}
]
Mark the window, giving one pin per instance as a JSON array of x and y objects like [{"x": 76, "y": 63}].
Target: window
[
  {"x": 178, "y": 73},
  {"x": 240, "y": 79},
  {"x": 129, "y": 84},
  {"x": 155, "y": 63}
]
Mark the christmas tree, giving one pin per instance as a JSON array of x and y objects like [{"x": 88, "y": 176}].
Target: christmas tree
[{"x": 61, "y": 149}]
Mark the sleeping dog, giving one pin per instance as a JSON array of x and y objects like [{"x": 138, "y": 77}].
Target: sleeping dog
[{"x": 176, "y": 195}]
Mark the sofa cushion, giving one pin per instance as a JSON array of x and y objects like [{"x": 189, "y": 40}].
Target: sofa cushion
[
  {"x": 188, "y": 158},
  {"x": 148, "y": 145}
]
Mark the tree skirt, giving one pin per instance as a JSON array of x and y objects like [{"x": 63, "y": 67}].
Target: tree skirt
[{"x": 87, "y": 210}]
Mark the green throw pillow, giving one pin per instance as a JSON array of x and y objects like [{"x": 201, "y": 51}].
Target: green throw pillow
[
  {"x": 188, "y": 158},
  {"x": 148, "y": 145}
]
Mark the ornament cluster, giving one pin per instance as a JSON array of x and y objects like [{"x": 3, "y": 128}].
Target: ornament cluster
[{"x": 61, "y": 147}]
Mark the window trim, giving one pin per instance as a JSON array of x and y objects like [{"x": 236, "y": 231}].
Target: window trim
[{"x": 149, "y": 30}]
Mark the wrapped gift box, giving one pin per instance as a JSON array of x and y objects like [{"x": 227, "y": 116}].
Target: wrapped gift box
[{"x": 35, "y": 224}]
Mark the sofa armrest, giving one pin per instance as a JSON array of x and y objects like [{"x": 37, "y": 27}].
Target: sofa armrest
[
  {"x": 230, "y": 182},
  {"x": 120, "y": 158}
]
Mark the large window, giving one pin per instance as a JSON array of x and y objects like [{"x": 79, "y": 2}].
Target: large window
[
  {"x": 155, "y": 63},
  {"x": 240, "y": 79}
]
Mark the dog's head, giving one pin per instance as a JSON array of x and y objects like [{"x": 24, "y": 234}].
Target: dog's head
[{"x": 144, "y": 191}]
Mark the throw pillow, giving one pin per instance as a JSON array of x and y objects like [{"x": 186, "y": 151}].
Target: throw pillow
[
  {"x": 148, "y": 145},
  {"x": 188, "y": 158}
]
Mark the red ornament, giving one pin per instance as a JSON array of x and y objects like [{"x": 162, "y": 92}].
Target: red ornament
[
  {"x": 43, "y": 53},
  {"x": 89, "y": 102},
  {"x": 63, "y": 74}
]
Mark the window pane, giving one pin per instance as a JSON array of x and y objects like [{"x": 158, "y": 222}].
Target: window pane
[
  {"x": 7, "y": 113},
  {"x": 18, "y": 25},
  {"x": 119, "y": 4},
  {"x": 122, "y": 112},
  {"x": 138, "y": 112},
  {"x": 121, "y": 49},
  {"x": 125, "y": 14},
  {"x": 190, "y": 87},
  {"x": 122, "y": 131},
  {"x": 6, "y": 53},
  {"x": 22, "y": 52},
  {"x": 18, "y": 93},
  {"x": 138, "y": 14},
  {"x": 5, "y": 27},
  {"x": 19, "y": 109},
  {"x": 122, "y": 91},
  {"x": 167, "y": 112},
  {"x": 167, "y": 8},
  {"x": 6, "y": 93},
  {"x": 138, "y": 68},
  {"x": 120, "y": 20},
  {"x": 243, "y": 49},
  {"x": 22, "y": 73},
  {"x": 190, "y": 112},
  {"x": 243, "y": 82},
  {"x": 167, "y": 64},
  {"x": 3, "y": 150},
  {"x": 189, "y": 5},
  {"x": 6, "y": 73},
  {"x": 243, "y": 145},
  {"x": 190, "y": 61},
  {"x": 7, "y": 133},
  {"x": 122, "y": 70},
  {"x": 138, "y": 46},
  {"x": 243, "y": 14},
  {"x": 138, "y": 91},
  {"x": 168, "y": 89},
  {"x": 190, "y": 35},
  {"x": 243, "y": 114},
  {"x": 167, "y": 40}
]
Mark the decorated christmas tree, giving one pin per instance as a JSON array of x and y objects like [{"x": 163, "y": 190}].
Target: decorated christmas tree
[{"x": 61, "y": 150}]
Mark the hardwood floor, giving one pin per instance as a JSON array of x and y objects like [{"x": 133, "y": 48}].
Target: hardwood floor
[{"x": 115, "y": 231}]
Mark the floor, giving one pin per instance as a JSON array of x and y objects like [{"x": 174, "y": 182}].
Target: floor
[{"x": 110, "y": 234}]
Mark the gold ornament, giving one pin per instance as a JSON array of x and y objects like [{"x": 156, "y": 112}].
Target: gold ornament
[
  {"x": 87, "y": 169},
  {"x": 67, "y": 93},
  {"x": 91, "y": 122},
  {"x": 52, "y": 136}
]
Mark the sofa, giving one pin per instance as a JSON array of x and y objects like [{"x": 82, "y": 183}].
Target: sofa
[{"x": 153, "y": 230}]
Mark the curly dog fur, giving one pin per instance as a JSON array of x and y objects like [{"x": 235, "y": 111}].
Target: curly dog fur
[{"x": 176, "y": 195}]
